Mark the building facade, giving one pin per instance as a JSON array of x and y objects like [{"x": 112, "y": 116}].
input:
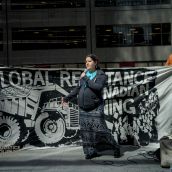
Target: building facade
[{"x": 62, "y": 32}]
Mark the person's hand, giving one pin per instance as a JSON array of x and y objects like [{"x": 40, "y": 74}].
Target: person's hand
[
  {"x": 63, "y": 103},
  {"x": 82, "y": 75}
]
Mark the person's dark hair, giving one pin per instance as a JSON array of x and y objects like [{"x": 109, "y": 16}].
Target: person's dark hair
[{"x": 94, "y": 58}]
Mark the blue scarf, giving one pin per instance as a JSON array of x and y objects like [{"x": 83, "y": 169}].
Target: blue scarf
[{"x": 90, "y": 75}]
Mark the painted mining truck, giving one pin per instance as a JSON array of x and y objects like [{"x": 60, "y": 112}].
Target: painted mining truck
[{"x": 20, "y": 113}]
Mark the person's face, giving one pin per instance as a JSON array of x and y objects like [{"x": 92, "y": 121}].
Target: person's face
[{"x": 90, "y": 64}]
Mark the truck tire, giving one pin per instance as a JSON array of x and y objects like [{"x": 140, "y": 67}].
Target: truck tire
[
  {"x": 10, "y": 131},
  {"x": 50, "y": 129}
]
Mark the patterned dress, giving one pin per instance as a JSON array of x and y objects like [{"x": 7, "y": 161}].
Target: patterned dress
[{"x": 94, "y": 132}]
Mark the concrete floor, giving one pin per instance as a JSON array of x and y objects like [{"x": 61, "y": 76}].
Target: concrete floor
[{"x": 71, "y": 159}]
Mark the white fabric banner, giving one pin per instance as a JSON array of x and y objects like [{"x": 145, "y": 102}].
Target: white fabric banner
[{"x": 137, "y": 108}]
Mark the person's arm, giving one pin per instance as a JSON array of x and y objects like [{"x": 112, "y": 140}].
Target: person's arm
[
  {"x": 72, "y": 94},
  {"x": 96, "y": 85},
  {"x": 169, "y": 60}
]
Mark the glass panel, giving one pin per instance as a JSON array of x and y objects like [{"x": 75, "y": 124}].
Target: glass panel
[
  {"x": 41, "y": 4},
  {"x": 133, "y": 35},
  {"x": 166, "y": 36},
  {"x": 156, "y": 34},
  {"x": 1, "y": 40},
  {"x": 166, "y": 39},
  {"x": 165, "y": 2},
  {"x": 105, "y": 3},
  {"x": 154, "y": 2},
  {"x": 108, "y": 3},
  {"x": 49, "y": 38},
  {"x": 130, "y": 2},
  {"x": 138, "y": 34},
  {"x": 0, "y": 4},
  {"x": 166, "y": 28}
]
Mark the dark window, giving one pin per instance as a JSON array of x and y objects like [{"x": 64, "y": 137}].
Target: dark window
[
  {"x": 156, "y": 34},
  {"x": 105, "y": 3},
  {"x": 166, "y": 31},
  {"x": 133, "y": 35},
  {"x": 1, "y": 40},
  {"x": 49, "y": 38},
  {"x": 0, "y": 4},
  {"x": 41, "y": 4},
  {"x": 154, "y": 2},
  {"x": 108, "y": 3},
  {"x": 130, "y": 2},
  {"x": 161, "y": 34}
]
